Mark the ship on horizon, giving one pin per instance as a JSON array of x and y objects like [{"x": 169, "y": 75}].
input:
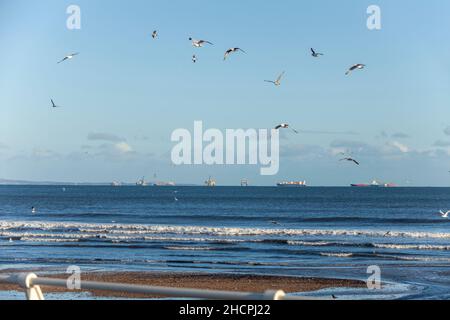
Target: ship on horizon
[
  {"x": 292, "y": 184},
  {"x": 375, "y": 184},
  {"x": 142, "y": 183}
]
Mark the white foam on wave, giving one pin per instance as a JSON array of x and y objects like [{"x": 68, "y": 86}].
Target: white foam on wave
[
  {"x": 336, "y": 255},
  {"x": 188, "y": 248},
  {"x": 309, "y": 243},
  {"x": 141, "y": 229},
  {"x": 412, "y": 246}
]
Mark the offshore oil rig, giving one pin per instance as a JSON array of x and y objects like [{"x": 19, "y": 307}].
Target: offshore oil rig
[{"x": 210, "y": 182}]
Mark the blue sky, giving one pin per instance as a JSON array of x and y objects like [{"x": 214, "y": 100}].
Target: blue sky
[{"x": 125, "y": 93}]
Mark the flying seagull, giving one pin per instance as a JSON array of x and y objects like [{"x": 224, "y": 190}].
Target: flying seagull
[
  {"x": 68, "y": 57},
  {"x": 358, "y": 66},
  {"x": 54, "y": 105},
  {"x": 444, "y": 214},
  {"x": 284, "y": 126},
  {"x": 199, "y": 43},
  {"x": 351, "y": 160},
  {"x": 315, "y": 54},
  {"x": 155, "y": 34},
  {"x": 230, "y": 51},
  {"x": 194, "y": 58},
  {"x": 278, "y": 81}
]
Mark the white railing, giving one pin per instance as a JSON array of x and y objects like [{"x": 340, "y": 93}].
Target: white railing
[{"x": 31, "y": 283}]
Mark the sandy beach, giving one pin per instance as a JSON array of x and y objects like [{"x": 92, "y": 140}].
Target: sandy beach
[{"x": 247, "y": 283}]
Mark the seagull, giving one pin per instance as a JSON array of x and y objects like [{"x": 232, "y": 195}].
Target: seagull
[
  {"x": 155, "y": 34},
  {"x": 358, "y": 66},
  {"x": 68, "y": 57},
  {"x": 199, "y": 43},
  {"x": 194, "y": 58},
  {"x": 33, "y": 210},
  {"x": 230, "y": 51},
  {"x": 444, "y": 215},
  {"x": 54, "y": 105},
  {"x": 284, "y": 126},
  {"x": 315, "y": 54},
  {"x": 351, "y": 160},
  {"x": 10, "y": 240},
  {"x": 334, "y": 297},
  {"x": 274, "y": 222},
  {"x": 176, "y": 199},
  {"x": 278, "y": 81}
]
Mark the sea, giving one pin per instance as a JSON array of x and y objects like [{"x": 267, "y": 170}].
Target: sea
[{"x": 324, "y": 232}]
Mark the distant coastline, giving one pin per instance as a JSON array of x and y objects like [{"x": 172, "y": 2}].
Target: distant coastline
[{"x": 8, "y": 182}]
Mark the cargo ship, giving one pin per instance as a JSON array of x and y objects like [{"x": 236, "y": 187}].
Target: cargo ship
[
  {"x": 292, "y": 184},
  {"x": 374, "y": 184}
]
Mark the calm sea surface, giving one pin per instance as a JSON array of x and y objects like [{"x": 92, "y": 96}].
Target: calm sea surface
[{"x": 321, "y": 232}]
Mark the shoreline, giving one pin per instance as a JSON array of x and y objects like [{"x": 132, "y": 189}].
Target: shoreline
[{"x": 227, "y": 282}]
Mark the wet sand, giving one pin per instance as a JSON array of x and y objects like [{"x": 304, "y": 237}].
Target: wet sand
[{"x": 247, "y": 283}]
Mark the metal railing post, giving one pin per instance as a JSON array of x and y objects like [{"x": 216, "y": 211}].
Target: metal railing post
[
  {"x": 274, "y": 295},
  {"x": 32, "y": 292}
]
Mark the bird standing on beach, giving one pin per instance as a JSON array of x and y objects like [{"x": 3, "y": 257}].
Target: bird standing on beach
[
  {"x": 285, "y": 126},
  {"x": 199, "y": 43},
  {"x": 358, "y": 66},
  {"x": 68, "y": 57},
  {"x": 444, "y": 214},
  {"x": 155, "y": 34},
  {"x": 315, "y": 54},
  {"x": 230, "y": 51},
  {"x": 350, "y": 160},
  {"x": 277, "y": 82}
]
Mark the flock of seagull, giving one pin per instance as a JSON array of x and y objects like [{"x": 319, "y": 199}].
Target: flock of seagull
[{"x": 277, "y": 82}]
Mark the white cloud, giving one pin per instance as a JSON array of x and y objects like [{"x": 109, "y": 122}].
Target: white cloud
[
  {"x": 43, "y": 153},
  {"x": 123, "y": 147},
  {"x": 399, "y": 146},
  {"x": 99, "y": 136}
]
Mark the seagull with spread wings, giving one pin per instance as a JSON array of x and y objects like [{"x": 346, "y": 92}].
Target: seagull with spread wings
[
  {"x": 277, "y": 82},
  {"x": 54, "y": 105},
  {"x": 315, "y": 54},
  {"x": 199, "y": 43},
  {"x": 350, "y": 160},
  {"x": 354, "y": 67},
  {"x": 285, "y": 126},
  {"x": 68, "y": 57},
  {"x": 230, "y": 51}
]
